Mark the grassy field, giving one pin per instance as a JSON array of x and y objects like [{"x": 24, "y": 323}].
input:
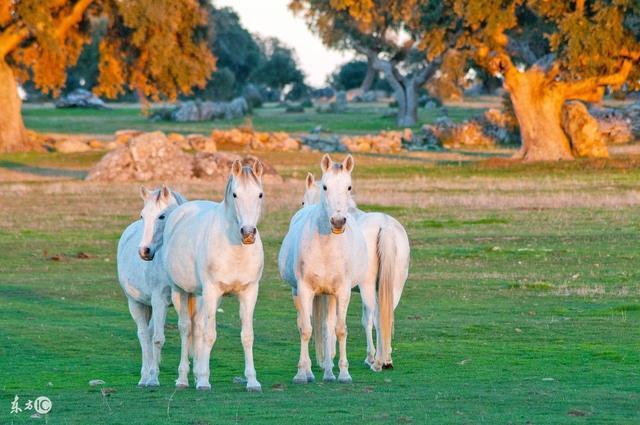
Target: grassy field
[
  {"x": 522, "y": 305},
  {"x": 360, "y": 118}
]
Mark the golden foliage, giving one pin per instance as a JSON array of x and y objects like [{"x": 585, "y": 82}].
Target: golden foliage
[{"x": 152, "y": 46}]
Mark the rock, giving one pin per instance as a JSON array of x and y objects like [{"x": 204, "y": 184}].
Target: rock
[
  {"x": 501, "y": 127},
  {"x": 616, "y": 125},
  {"x": 369, "y": 96},
  {"x": 201, "y": 143},
  {"x": 466, "y": 135},
  {"x": 80, "y": 98},
  {"x": 71, "y": 146},
  {"x": 148, "y": 156},
  {"x": 425, "y": 140},
  {"x": 275, "y": 141},
  {"x": 216, "y": 166},
  {"x": 237, "y": 108},
  {"x": 152, "y": 156},
  {"x": 206, "y": 111},
  {"x": 123, "y": 136},
  {"x": 583, "y": 131},
  {"x": 328, "y": 143},
  {"x": 96, "y": 144},
  {"x": 384, "y": 142},
  {"x": 340, "y": 104}
]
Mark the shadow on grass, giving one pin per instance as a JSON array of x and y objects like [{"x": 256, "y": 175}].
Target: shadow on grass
[{"x": 43, "y": 171}]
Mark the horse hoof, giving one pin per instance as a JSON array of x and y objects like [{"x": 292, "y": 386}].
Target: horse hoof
[
  {"x": 304, "y": 380},
  {"x": 254, "y": 388},
  {"x": 387, "y": 366},
  {"x": 345, "y": 380},
  {"x": 180, "y": 386},
  {"x": 142, "y": 385},
  {"x": 329, "y": 376},
  {"x": 311, "y": 378},
  {"x": 203, "y": 388}
]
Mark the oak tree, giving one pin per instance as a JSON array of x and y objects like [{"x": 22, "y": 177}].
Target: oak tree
[{"x": 155, "y": 47}]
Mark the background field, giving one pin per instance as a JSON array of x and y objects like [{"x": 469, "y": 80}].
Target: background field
[{"x": 522, "y": 305}]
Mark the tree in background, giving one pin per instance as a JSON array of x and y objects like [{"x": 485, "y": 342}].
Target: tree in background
[
  {"x": 353, "y": 74},
  {"x": 547, "y": 52},
  {"x": 388, "y": 33},
  {"x": 279, "y": 67},
  {"x": 237, "y": 53},
  {"x": 155, "y": 47}
]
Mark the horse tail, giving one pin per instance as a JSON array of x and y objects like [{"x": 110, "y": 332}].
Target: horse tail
[
  {"x": 192, "y": 308},
  {"x": 387, "y": 257},
  {"x": 319, "y": 317}
]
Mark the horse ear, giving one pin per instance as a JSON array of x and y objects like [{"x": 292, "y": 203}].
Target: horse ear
[
  {"x": 325, "y": 163},
  {"x": 144, "y": 193},
  {"x": 165, "y": 193},
  {"x": 310, "y": 180},
  {"x": 258, "y": 168},
  {"x": 348, "y": 163},
  {"x": 236, "y": 168}
]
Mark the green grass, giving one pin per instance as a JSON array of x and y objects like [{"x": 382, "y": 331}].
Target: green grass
[
  {"x": 359, "y": 119},
  {"x": 510, "y": 315}
]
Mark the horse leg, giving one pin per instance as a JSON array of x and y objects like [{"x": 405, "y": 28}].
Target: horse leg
[
  {"x": 304, "y": 303},
  {"x": 369, "y": 307},
  {"x": 159, "y": 305},
  {"x": 180, "y": 303},
  {"x": 344, "y": 296},
  {"x": 330, "y": 339},
  {"x": 210, "y": 298},
  {"x": 140, "y": 314},
  {"x": 247, "y": 299}
]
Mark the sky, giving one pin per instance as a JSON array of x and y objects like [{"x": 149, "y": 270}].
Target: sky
[{"x": 272, "y": 18}]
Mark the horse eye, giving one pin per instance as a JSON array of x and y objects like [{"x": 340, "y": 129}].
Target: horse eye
[
  {"x": 141, "y": 216},
  {"x": 260, "y": 196},
  {"x": 349, "y": 188},
  {"x": 303, "y": 203},
  {"x": 161, "y": 217},
  {"x": 324, "y": 186},
  {"x": 234, "y": 195}
]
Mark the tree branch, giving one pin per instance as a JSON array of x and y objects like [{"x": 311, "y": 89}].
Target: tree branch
[
  {"x": 13, "y": 36},
  {"x": 588, "y": 87}
]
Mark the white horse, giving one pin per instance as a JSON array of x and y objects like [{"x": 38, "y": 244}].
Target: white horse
[
  {"x": 143, "y": 277},
  {"x": 388, "y": 255},
  {"x": 322, "y": 257},
  {"x": 214, "y": 249}
]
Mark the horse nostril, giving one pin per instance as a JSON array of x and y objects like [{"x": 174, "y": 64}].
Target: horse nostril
[
  {"x": 338, "y": 222},
  {"x": 248, "y": 230},
  {"x": 146, "y": 250}
]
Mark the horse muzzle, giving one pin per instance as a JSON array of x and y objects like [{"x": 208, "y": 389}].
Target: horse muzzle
[
  {"x": 248, "y": 234},
  {"x": 338, "y": 225},
  {"x": 145, "y": 253}
]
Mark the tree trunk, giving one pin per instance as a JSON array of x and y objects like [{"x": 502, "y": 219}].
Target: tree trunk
[
  {"x": 407, "y": 104},
  {"x": 538, "y": 109},
  {"x": 368, "y": 79},
  {"x": 13, "y": 136}
]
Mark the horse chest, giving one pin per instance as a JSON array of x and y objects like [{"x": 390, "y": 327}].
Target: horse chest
[
  {"x": 325, "y": 264},
  {"x": 236, "y": 267}
]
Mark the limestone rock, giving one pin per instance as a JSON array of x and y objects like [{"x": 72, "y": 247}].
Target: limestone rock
[
  {"x": 583, "y": 131},
  {"x": 71, "y": 146},
  {"x": 80, "y": 98},
  {"x": 148, "y": 156}
]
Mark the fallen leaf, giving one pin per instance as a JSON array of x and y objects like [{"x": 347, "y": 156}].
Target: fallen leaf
[
  {"x": 278, "y": 387},
  {"x": 239, "y": 380},
  {"x": 575, "y": 412},
  {"x": 96, "y": 382},
  {"x": 518, "y": 330},
  {"x": 416, "y": 317},
  {"x": 463, "y": 362},
  {"x": 83, "y": 255},
  {"x": 367, "y": 389}
]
